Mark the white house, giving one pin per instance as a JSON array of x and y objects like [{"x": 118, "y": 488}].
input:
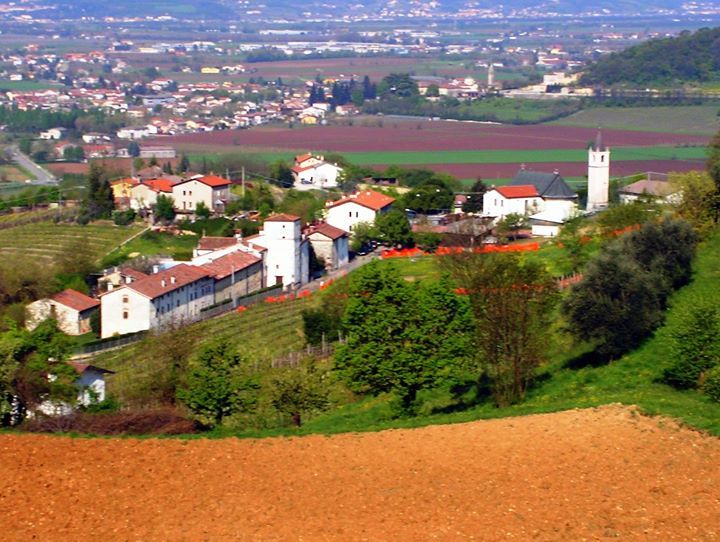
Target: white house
[
  {"x": 144, "y": 195},
  {"x": 330, "y": 244},
  {"x": 171, "y": 297},
  {"x": 212, "y": 190},
  {"x": 364, "y": 206},
  {"x": 502, "y": 201},
  {"x": 91, "y": 390},
  {"x": 71, "y": 309},
  {"x": 53, "y": 133},
  {"x": 322, "y": 175},
  {"x": 136, "y": 132}
]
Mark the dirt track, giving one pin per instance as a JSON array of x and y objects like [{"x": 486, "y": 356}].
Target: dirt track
[{"x": 578, "y": 475}]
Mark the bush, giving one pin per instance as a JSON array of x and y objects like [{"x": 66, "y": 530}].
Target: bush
[
  {"x": 164, "y": 421},
  {"x": 123, "y": 218},
  {"x": 696, "y": 347},
  {"x": 711, "y": 383}
]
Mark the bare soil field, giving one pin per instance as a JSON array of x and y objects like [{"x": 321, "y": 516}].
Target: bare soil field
[
  {"x": 567, "y": 169},
  {"x": 423, "y": 135},
  {"x": 576, "y": 475}
]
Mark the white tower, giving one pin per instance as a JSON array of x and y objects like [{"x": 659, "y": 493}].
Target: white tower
[
  {"x": 287, "y": 252},
  {"x": 598, "y": 175},
  {"x": 491, "y": 76}
]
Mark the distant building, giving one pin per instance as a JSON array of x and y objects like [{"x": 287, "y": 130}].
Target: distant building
[
  {"x": 311, "y": 171},
  {"x": 158, "y": 152},
  {"x": 655, "y": 187}
]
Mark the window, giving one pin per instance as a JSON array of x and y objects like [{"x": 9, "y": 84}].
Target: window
[
  {"x": 125, "y": 299},
  {"x": 350, "y": 214},
  {"x": 125, "y": 315},
  {"x": 177, "y": 303}
]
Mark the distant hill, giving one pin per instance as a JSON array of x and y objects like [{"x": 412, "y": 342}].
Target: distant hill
[
  {"x": 297, "y": 9},
  {"x": 690, "y": 57}
]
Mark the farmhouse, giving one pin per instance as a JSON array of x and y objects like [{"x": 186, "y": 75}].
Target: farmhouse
[
  {"x": 498, "y": 202},
  {"x": 655, "y": 187},
  {"x": 359, "y": 207},
  {"x": 211, "y": 190},
  {"x": 314, "y": 172},
  {"x": 236, "y": 274},
  {"x": 53, "y": 133},
  {"x": 144, "y": 195},
  {"x": 122, "y": 191},
  {"x": 330, "y": 244},
  {"x": 71, "y": 309},
  {"x": 171, "y": 297},
  {"x": 91, "y": 390}
]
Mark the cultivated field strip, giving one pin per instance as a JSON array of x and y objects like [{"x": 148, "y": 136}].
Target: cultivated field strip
[
  {"x": 262, "y": 333},
  {"x": 47, "y": 240}
]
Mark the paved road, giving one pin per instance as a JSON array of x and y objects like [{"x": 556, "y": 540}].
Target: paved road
[{"x": 42, "y": 176}]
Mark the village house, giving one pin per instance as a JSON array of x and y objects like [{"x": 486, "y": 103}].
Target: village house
[
  {"x": 654, "y": 187},
  {"x": 117, "y": 276},
  {"x": 236, "y": 274},
  {"x": 330, "y": 244},
  {"x": 212, "y": 190},
  {"x": 314, "y": 172},
  {"x": 53, "y": 133},
  {"x": 91, "y": 390},
  {"x": 356, "y": 208},
  {"x": 144, "y": 195},
  {"x": 174, "y": 296},
  {"x": 122, "y": 191},
  {"x": 71, "y": 309},
  {"x": 501, "y": 201}
]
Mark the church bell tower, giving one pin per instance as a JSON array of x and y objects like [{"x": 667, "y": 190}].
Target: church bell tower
[{"x": 598, "y": 175}]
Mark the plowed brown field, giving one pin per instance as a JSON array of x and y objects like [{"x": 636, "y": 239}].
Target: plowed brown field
[{"x": 576, "y": 475}]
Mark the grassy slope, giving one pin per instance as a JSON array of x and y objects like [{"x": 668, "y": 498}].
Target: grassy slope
[
  {"x": 630, "y": 380},
  {"x": 692, "y": 119}
]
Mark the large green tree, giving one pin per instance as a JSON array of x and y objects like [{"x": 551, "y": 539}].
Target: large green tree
[
  {"x": 400, "y": 338},
  {"x": 393, "y": 228},
  {"x": 299, "y": 391},
  {"x": 218, "y": 385},
  {"x": 512, "y": 300}
]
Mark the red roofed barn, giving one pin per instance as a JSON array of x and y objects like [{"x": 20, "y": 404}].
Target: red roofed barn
[{"x": 72, "y": 310}]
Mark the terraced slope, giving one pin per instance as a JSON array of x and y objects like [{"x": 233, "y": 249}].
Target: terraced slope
[{"x": 46, "y": 240}]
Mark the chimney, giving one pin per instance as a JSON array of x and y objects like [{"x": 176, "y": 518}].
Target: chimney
[
  {"x": 155, "y": 269},
  {"x": 162, "y": 283},
  {"x": 172, "y": 279}
]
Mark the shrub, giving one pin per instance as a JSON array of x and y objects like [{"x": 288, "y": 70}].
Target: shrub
[
  {"x": 696, "y": 347},
  {"x": 711, "y": 383},
  {"x": 164, "y": 421}
]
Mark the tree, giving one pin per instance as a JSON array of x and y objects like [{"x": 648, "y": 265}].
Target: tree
[
  {"x": 202, "y": 210},
  {"x": 693, "y": 201},
  {"x": 695, "y": 345},
  {"x": 512, "y": 300},
  {"x": 433, "y": 91},
  {"x": 133, "y": 149},
  {"x": 164, "y": 208},
  {"x": 393, "y": 229},
  {"x": 298, "y": 391},
  {"x": 282, "y": 173},
  {"x": 624, "y": 290},
  {"x": 400, "y": 338},
  {"x": 184, "y": 166},
  {"x": 511, "y": 225},
  {"x": 474, "y": 202},
  {"x": 398, "y": 84},
  {"x": 100, "y": 202},
  {"x": 217, "y": 385}
]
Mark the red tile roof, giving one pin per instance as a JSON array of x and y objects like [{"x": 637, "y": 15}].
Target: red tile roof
[
  {"x": 214, "y": 181},
  {"x": 519, "y": 191},
  {"x": 327, "y": 230},
  {"x": 75, "y": 300},
  {"x": 160, "y": 185},
  {"x": 216, "y": 243},
  {"x": 224, "y": 266},
  {"x": 128, "y": 180},
  {"x": 153, "y": 287},
  {"x": 133, "y": 273},
  {"x": 300, "y": 158},
  {"x": 282, "y": 218},
  {"x": 81, "y": 367},
  {"x": 367, "y": 198}
]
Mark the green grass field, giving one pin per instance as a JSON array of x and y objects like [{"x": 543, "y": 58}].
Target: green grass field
[
  {"x": 692, "y": 119},
  {"x": 46, "y": 240},
  {"x": 482, "y": 156},
  {"x": 179, "y": 247}
]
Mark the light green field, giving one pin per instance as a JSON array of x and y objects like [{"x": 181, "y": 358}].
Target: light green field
[
  {"x": 691, "y": 119},
  {"x": 46, "y": 240},
  {"x": 485, "y": 156}
]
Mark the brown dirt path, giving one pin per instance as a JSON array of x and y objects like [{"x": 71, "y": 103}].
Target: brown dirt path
[{"x": 578, "y": 475}]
